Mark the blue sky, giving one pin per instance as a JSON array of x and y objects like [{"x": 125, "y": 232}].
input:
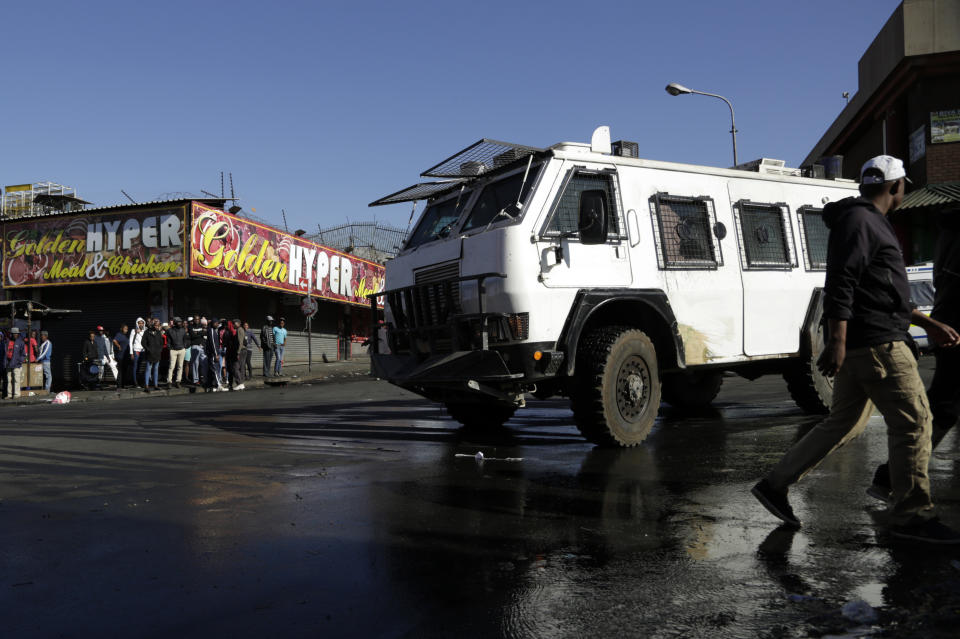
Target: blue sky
[{"x": 319, "y": 108}]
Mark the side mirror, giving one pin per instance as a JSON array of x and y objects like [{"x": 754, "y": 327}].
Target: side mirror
[{"x": 593, "y": 217}]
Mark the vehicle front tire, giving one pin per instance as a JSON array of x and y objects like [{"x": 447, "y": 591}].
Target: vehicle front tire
[{"x": 616, "y": 394}]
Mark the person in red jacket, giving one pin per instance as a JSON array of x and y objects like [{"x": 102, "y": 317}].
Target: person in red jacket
[{"x": 33, "y": 346}]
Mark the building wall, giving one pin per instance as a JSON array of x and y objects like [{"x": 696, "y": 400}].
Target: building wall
[
  {"x": 930, "y": 26},
  {"x": 861, "y": 149},
  {"x": 943, "y": 162}
]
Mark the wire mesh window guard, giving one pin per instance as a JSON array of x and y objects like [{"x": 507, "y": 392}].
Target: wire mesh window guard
[
  {"x": 422, "y": 191},
  {"x": 684, "y": 232},
  {"x": 479, "y": 158},
  {"x": 565, "y": 218},
  {"x": 764, "y": 233},
  {"x": 813, "y": 237}
]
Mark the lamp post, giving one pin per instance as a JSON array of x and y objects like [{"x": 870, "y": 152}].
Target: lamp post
[{"x": 678, "y": 89}]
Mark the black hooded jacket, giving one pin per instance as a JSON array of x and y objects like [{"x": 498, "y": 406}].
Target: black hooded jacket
[
  {"x": 866, "y": 277},
  {"x": 153, "y": 344}
]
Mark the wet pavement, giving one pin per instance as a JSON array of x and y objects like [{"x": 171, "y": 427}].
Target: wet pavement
[{"x": 349, "y": 508}]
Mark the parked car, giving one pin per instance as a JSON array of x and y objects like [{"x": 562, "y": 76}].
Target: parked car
[{"x": 921, "y": 294}]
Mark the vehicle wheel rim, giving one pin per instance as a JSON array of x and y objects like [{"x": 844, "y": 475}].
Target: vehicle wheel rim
[{"x": 633, "y": 388}]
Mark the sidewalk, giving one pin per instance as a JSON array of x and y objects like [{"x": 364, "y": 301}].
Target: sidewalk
[{"x": 344, "y": 370}]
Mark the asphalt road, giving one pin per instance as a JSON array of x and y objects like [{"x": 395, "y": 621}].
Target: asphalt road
[{"x": 358, "y": 510}]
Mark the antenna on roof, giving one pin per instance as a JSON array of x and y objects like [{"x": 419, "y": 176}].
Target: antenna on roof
[
  {"x": 235, "y": 209},
  {"x": 128, "y": 196},
  {"x": 284, "y": 214},
  {"x": 221, "y": 184}
]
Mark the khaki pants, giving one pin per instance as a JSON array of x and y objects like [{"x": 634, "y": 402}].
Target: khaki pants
[
  {"x": 14, "y": 378},
  {"x": 886, "y": 376},
  {"x": 176, "y": 361}
]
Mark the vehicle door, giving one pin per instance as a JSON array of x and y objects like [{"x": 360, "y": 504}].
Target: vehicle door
[
  {"x": 581, "y": 239},
  {"x": 775, "y": 292}
]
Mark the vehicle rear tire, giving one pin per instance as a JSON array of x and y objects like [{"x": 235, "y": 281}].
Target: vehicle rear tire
[
  {"x": 809, "y": 388},
  {"x": 480, "y": 414},
  {"x": 616, "y": 394},
  {"x": 692, "y": 390}
]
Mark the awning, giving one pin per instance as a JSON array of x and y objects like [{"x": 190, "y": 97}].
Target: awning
[{"x": 932, "y": 195}]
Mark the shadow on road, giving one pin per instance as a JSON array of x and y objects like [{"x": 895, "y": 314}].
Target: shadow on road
[{"x": 401, "y": 420}]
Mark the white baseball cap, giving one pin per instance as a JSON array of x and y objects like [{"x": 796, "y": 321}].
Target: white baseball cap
[{"x": 890, "y": 167}]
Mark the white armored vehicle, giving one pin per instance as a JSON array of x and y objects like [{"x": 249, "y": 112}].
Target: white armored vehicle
[{"x": 585, "y": 271}]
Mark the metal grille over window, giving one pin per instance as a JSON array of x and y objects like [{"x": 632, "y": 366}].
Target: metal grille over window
[
  {"x": 479, "y": 158},
  {"x": 765, "y": 237},
  {"x": 684, "y": 232},
  {"x": 813, "y": 236},
  {"x": 566, "y": 214},
  {"x": 422, "y": 191}
]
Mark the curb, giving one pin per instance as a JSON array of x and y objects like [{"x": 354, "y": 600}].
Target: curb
[{"x": 346, "y": 372}]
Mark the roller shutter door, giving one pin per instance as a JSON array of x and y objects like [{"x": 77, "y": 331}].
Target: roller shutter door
[
  {"x": 297, "y": 344},
  {"x": 106, "y": 305}
]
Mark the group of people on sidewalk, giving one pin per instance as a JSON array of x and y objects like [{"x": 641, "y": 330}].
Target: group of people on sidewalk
[
  {"x": 869, "y": 354},
  {"x": 211, "y": 353},
  {"x": 17, "y": 352}
]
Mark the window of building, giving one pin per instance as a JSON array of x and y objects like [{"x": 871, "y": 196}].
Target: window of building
[
  {"x": 686, "y": 230},
  {"x": 765, "y": 235},
  {"x": 813, "y": 237}
]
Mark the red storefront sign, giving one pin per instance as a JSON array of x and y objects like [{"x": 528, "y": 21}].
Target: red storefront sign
[
  {"x": 227, "y": 247},
  {"x": 108, "y": 247}
]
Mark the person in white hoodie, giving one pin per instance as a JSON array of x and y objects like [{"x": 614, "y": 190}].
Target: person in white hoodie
[{"x": 136, "y": 346}]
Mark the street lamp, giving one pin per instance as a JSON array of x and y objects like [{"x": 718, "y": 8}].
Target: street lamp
[{"x": 678, "y": 89}]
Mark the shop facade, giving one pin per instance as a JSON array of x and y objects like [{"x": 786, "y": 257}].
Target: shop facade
[{"x": 182, "y": 258}]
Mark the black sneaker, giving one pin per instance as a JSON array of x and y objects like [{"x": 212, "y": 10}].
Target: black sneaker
[
  {"x": 930, "y": 531},
  {"x": 776, "y": 502},
  {"x": 880, "y": 487}
]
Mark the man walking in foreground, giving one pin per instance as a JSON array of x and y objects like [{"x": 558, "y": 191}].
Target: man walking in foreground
[{"x": 867, "y": 307}]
